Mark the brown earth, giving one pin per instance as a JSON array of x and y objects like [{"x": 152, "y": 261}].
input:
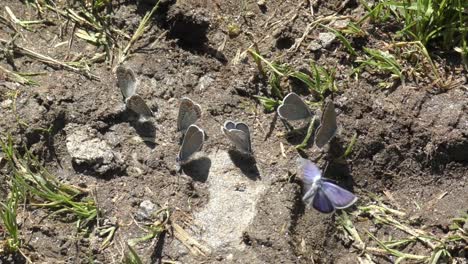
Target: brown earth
[{"x": 412, "y": 139}]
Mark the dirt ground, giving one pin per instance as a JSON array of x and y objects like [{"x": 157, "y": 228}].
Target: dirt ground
[{"x": 411, "y": 148}]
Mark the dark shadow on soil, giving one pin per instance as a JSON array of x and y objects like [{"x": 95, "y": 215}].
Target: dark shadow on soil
[
  {"x": 189, "y": 27},
  {"x": 246, "y": 163},
  {"x": 198, "y": 169},
  {"x": 272, "y": 126},
  {"x": 156, "y": 256},
  {"x": 338, "y": 169},
  {"x": 146, "y": 131},
  {"x": 91, "y": 170},
  {"x": 298, "y": 86},
  {"x": 299, "y": 207},
  {"x": 16, "y": 258},
  {"x": 296, "y": 136}
]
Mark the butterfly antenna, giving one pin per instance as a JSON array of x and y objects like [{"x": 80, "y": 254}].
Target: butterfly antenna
[{"x": 326, "y": 168}]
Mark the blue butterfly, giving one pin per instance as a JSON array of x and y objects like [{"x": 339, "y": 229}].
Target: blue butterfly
[{"x": 321, "y": 193}]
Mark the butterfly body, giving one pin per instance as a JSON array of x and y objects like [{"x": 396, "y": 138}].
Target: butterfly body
[
  {"x": 320, "y": 193},
  {"x": 127, "y": 82},
  {"x": 239, "y": 134},
  {"x": 189, "y": 113},
  {"x": 293, "y": 108},
  {"x": 192, "y": 142},
  {"x": 138, "y": 105},
  {"x": 328, "y": 126}
]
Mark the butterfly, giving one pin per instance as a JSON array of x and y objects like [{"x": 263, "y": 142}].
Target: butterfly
[
  {"x": 127, "y": 82},
  {"x": 320, "y": 193},
  {"x": 293, "y": 108},
  {"x": 328, "y": 127},
  {"x": 192, "y": 142},
  {"x": 239, "y": 134},
  {"x": 189, "y": 113}
]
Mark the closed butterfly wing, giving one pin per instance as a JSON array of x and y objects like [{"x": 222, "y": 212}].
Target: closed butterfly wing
[
  {"x": 240, "y": 139},
  {"x": 229, "y": 125},
  {"x": 322, "y": 203},
  {"x": 189, "y": 113},
  {"x": 311, "y": 177},
  {"x": 138, "y": 105},
  {"x": 243, "y": 127},
  {"x": 339, "y": 197},
  {"x": 293, "y": 108},
  {"x": 193, "y": 142},
  {"x": 328, "y": 126},
  {"x": 126, "y": 81},
  {"x": 310, "y": 172}
]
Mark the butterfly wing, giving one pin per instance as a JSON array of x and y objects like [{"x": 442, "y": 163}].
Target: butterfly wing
[
  {"x": 243, "y": 127},
  {"x": 293, "y": 108},
  {"x": 126, "y": 81},
  {"x": 328, "y": 126},
  {"x": 189, "y": 113},
  {"x": 240, "y": 139},
  {"x": 322, "y": 203},
  {"x": 311, "y": 177},
  {"x": 229, "y": 125},
  {"x": 339, "y": 197},
  {"x": 310, "y": 172},
  {"x": 193, "y": 142},
  {"x": 138, "y": 105}
]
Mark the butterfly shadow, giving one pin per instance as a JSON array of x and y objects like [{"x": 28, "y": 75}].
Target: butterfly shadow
[
  {"x": 146, "y": 131},
  {"x": 157, "y": 254},
  {"x": 272, "y": 126},
  {"x": 197, "y": 169},
  {"x": 298, "y": 86},
  {"x": 337, "y": 168},
  {"x": 297, "y": 136},
  {"x": 246, "y": 163}
]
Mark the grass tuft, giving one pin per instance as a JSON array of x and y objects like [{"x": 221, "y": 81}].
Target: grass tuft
[
  {"x": 381, "y": 62},
  {"x": 43, "y": 190},
  {"x": 439, "y": 248},
  {"x": 318, "y": 79},
  {"x": 440, "y": 24},
  {"x": 8, "y": 217}
]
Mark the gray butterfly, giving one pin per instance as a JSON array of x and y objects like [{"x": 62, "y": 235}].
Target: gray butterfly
[
  {"x": 189, "y": 113},
  {"x": 138, "y": 105},
  {"x": 126, "y": 81},
  {"x": 293, "y": 108},
  {"x": 328, "y": 127},
  {"x": 239, "y": 134},
  {"x": 193, "y": 142}
]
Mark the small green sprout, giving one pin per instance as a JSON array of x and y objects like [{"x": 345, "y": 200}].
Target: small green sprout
[
  {"x": 131, "y": 257},
  {"x": 268, "y": 103},
  {"x": 156, "y": 228},
  {"x": 310, "y": 131},
  {"x": 8, "y": 217},
  {"x": 319, "y": 80},
  {"x": 233, "y": 30},
  {"x": 138, "y": 33},
  {"x": 382, "y": 62},
  {"x": 343, "y": 40}
]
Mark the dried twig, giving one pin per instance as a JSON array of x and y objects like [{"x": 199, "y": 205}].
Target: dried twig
[
  {"x": 47, "y": 60},
  {"x": 193, "y": 245}
]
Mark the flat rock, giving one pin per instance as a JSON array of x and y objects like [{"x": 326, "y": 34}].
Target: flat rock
[
  {"x": 326, "y": 38},
  {"x": 90, "y": 152},
  {"x": 232, "y": 204}
]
